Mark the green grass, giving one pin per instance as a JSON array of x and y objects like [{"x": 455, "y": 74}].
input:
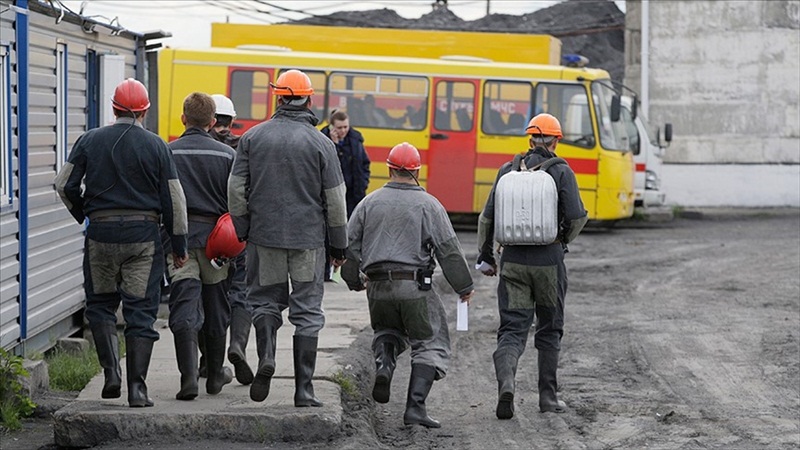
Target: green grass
[
  {"x": 346, "y": 382},
  {"x": 71, "y": 372}
]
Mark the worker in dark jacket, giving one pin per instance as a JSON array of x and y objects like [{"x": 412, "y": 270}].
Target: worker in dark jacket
[
  {"x": 352, "y": 157},
  {"x": 129, "y": 185},
  {"x": 285, "y": 193},
  {"x": 395, "y": 233},
  {"x": 199, "y": 296},
  {"x": 241, "y": 313},
  {"x": 533, "y": 278}
]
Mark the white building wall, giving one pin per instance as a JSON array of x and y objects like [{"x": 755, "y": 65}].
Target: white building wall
[{"x": 726, "y": 74}]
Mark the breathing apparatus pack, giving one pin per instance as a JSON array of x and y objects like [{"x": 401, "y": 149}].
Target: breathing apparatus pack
[{"x": 526, "y": 204}]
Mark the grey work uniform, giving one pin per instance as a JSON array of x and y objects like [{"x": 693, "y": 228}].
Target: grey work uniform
[
  {"x": 198, "y": 297},
  {"x": 286, "y": 189},
  {"x": 533, "y": 278},
  {"x": 130, "y": 185},
  {"x": 400, "y": 228}
]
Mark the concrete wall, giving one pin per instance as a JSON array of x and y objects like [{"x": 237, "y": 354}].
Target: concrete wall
[{"x": 726, "y": 74}]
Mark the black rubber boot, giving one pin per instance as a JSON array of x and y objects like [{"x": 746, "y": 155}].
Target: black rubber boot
[
  {"x": 422, "y": 377},
  {"x": 305, "y": 361},
  {"x": 548, "y": 384},
  {"x": 218, "y": 375},
  {"x": 137, "y": 361},
  {"x": 202, "y": 372},
  {"x": 266, "y": 336},
  {"x": 385, "y": 363},
  {"x": 505, "y": 367},
  {"x": 186, "y": 355},
  {"x": 106, "y": 343},
  {"x": 240, "y": 333}
]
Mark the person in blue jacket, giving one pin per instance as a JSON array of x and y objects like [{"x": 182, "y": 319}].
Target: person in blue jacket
[{"x": 352, "y": 157}]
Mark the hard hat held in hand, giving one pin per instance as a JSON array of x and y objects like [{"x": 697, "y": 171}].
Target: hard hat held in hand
[
  {"x": 130, "y": 95},
  {"x": 222, "y": 243}
]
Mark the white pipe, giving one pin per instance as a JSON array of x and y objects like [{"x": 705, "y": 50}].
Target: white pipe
[{"x": 645, "y": 64}]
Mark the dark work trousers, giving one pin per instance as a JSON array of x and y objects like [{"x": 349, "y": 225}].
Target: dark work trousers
[
  {"x": 123, "y": 262},
  {"x": 525, "y": 292},
  {"x": 269, "y": 272},
  {"x": 237, "y": 293},
  {"x": 199, "y": 296}
]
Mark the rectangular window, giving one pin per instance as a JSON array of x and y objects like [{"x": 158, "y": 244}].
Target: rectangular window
[
  {"x": 380, "y": 100},
  {"x": 250, "y": 94},
  {"x": 506, "y": 107},
  {"x": 570, "y": 105},
  {"x": 454, "y": 106},
  {"x": 5, "y": 127},
  {"x": 61, "y": 105}
]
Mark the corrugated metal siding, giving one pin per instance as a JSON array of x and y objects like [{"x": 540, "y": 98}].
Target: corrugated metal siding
[{"x": 9, "y": 225}]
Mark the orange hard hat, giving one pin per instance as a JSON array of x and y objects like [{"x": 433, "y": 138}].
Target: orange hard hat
[
  {"x": 544, "y": 124},
  {"x": 130, "y": 95},
  {"x": 222, "y": 242},
  {"x": 292, "y": 83},
  {"x": 404, "y": 156}
]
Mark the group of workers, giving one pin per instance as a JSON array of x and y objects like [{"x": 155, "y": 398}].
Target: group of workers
[{"x": 296, "y": 196}]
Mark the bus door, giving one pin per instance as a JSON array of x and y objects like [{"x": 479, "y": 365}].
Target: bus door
[
  {"x": 451, "y": 152},
  {"x": 248, "y": 89}
]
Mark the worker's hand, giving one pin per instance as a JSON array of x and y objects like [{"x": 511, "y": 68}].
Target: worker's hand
[
  {"x": 467, "y": 297},
  {"x": 179, "y": 261},
  {"x": 487, "y": 264}
]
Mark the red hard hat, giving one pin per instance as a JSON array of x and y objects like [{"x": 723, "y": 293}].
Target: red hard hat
[
  {"x": 292, "y": 83},
  {"x": 544, "y": 124},
  {"x": 404, "y": 156},
  {"x": 130, "y": 95},
  {"x": 222, "y": 242}
]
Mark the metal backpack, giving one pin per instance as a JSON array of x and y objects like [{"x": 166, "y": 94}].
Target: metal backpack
[{"x": 526, "y": 205}]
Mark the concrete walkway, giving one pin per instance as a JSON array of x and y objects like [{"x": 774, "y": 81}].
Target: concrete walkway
[{"x": 230, "y": 415}]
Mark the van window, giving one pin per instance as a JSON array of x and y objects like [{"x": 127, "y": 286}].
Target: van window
[
  {"x": 455, "y": 106},
  {"x": 630, "y": 129},
  {"x": 612, "y": 134},
  {"x": 570, "y": 105},
  {"x": 250, "y": 93},
  {"x": 506, "y": 107},
  {"x": 379, "y": 100}
]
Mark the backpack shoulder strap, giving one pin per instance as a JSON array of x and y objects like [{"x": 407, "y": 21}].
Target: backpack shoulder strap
[
  {"x": 550, "y": 163},
  {"x": 518, "y": 163}
]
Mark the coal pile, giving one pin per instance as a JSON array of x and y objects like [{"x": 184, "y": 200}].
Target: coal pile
[{"x": 592, "y": 28}]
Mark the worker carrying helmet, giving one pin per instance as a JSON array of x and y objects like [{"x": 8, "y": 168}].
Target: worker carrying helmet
[
  {"x": 222, "y": 244},
  {"x": 289, "y": 155},
  {"x": 398, "y": 259},
  {"x": 533, "y": 277},
  {"x": 104, "y": 167}
]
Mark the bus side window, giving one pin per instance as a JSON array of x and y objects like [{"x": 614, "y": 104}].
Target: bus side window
[{"x": 249, "y": 93}]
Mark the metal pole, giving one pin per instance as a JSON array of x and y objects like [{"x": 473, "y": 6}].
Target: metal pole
[
  {"x": 487, "y": 7},
  {"x": 645, "y": 72}
]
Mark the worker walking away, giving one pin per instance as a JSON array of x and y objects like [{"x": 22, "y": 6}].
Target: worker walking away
[
  {"x": 396, "y": 235},
  {"x": 241, "y": 313},
  {"x": 285, "y": 191},
  {"x": 129, "y": 185},
  {"x": 533, "y": 277},
  {"x": 198, "y": 299}
]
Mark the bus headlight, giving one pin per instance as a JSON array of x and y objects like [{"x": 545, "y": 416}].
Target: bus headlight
[{"x": 651, "y": 180}]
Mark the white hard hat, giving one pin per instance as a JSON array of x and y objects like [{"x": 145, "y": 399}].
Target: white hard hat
[{"x": 224, "y": 105}]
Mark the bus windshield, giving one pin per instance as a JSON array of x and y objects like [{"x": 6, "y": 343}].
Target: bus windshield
[{"x": 612, "y": 134}]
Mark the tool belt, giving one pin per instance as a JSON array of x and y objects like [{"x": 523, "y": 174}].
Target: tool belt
[
  {"x": 202, "y": 219},
  {"x": 391, "y": 275},
  {"x": 123, "y": 215}
]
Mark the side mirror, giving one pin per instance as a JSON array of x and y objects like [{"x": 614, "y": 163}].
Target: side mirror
[
  {"x": 615, "y": 108},
  {"x": 634, "y": 107},
  {"x": 668, "y": 132}
]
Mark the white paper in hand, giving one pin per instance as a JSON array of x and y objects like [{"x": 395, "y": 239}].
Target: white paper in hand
[
  {"x": 462, "y": 316},
  {"x": 484, "y": 267}
]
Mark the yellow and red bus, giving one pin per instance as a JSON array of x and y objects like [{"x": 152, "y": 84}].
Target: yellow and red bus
[{"x": 466, "y": 115}]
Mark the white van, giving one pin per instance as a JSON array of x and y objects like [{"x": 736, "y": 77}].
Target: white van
[{"x": 648, "y": 151}]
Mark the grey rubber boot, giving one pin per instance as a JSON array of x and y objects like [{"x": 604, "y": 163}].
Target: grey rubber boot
[
  {"x": 137, "y": 361},
  {"x": 385, "y": 363},
  {"x": 240, "y": 333},
  {"x": 548, "y": 384},
  {"x": 218, "y": 375},
  {"x": 505, "y": 367},
  {"x": 305, "y": 361},
  {"x": 106, "y": 343},
  {"x": 266, "y": 336},
  {"x": 186, "y": 355},
  {"x": 419, "y": 386}
]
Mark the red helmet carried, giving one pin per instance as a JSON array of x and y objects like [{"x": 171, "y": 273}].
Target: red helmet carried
[
  {"x": 222, "y": 243},
  {"x": 292, "y": 83},
  {"x": 130, "y": 95},
  {"x": 404, "y": 156}
]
